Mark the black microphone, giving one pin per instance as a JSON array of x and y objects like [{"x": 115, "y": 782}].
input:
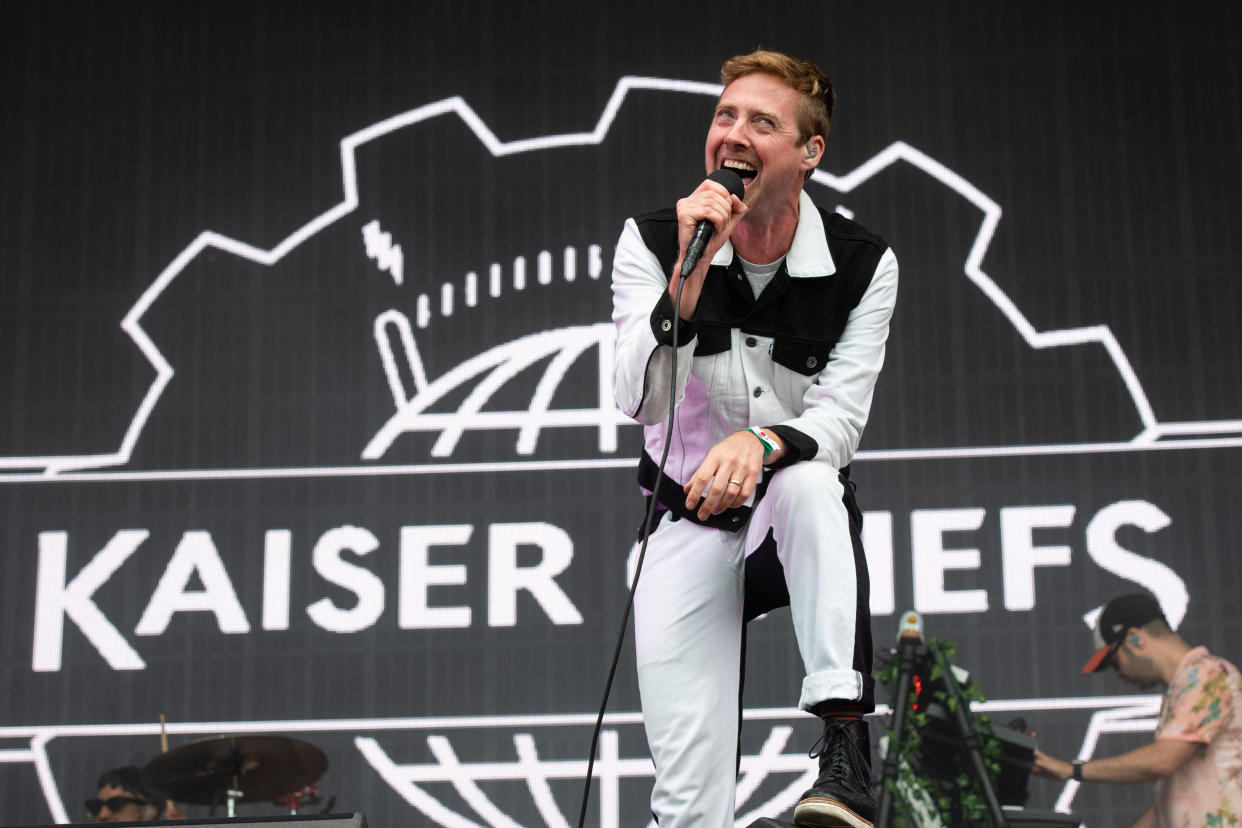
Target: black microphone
[{"x": 732, "y": 182}]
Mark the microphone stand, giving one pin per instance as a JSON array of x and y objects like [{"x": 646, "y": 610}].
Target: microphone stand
[
  {"x": 910, "y": 651},
  {"x": 969, "y": 731}
]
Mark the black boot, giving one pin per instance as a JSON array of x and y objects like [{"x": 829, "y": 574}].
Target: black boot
[{"x": 841, "y": 795}]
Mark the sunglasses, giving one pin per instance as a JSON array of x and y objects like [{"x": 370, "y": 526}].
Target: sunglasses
[{"x": 113, "y": 803}]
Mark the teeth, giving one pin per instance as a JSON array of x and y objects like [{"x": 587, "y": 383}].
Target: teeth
[{"x": 738, "y": 165}]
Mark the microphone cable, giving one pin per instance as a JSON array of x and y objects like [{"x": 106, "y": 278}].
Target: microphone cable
[{"x": 638, "y": 566}]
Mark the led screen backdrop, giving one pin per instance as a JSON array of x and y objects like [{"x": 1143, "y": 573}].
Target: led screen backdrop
[{"x": 305, "y": 408}]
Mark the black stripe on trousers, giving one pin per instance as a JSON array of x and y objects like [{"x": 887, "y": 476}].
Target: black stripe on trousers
[{"x": 766, "y": 590}]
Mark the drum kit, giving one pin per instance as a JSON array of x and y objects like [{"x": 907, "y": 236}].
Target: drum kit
[{"x": 227, "y": 770}]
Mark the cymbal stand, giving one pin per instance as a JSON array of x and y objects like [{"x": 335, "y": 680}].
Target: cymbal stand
[{"x": 235, "y": 793}]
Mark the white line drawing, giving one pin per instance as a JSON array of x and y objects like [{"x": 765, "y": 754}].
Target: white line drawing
[
  {"x": 500, "y": 364},
  {"x": 775, "y": 756},
  {"x": 1193, "y": 434},
  {"x": 609, "y": 770},
  {"x": 1137, "y": 718},
  {"x": 388, "y": 256}
]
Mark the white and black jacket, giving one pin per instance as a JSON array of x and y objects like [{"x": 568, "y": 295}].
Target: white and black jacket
[{"x": 801, "y": 359}]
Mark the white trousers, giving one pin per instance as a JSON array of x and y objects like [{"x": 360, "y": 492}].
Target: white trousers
[{"x": 688, "y": 632}]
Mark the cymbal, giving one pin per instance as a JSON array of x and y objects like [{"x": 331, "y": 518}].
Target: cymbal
[{"x": 202, "y": 772}]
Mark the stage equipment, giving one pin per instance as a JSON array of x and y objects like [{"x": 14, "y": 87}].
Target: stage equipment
[
  {"x": 316, "y": 821},
  {"x": 910, "y": 654},
  {"x": 1015, "y": 817},
  {"x": 232, "y": 769},
  {"x": 952, "y": 741}
]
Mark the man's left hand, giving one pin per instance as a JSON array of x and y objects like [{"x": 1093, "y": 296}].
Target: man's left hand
[
  {"x": 1050, "y": 767},
  {"x": 726, "y": 476}
]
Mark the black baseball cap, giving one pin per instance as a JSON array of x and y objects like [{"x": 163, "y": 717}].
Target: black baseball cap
[{"x": 1118, "y": 616}]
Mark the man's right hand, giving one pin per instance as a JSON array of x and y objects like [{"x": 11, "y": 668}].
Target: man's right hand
[{"x": 711, "y": 202}]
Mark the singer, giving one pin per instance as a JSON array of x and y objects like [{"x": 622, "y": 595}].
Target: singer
[{"x": 781, "y": 334}]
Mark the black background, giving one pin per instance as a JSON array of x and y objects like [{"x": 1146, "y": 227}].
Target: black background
[{"x": 1107, "y": 133}]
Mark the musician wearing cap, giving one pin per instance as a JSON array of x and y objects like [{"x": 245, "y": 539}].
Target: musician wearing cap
[
  {"x": 121, "y": 796},
  {"x": 1196, "y": 758}
]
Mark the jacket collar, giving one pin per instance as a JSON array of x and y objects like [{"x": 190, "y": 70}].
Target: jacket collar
[{"x": 808, "y": 256}]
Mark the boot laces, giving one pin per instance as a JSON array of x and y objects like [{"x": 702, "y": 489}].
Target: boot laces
[{"x": 842, "y": 753}]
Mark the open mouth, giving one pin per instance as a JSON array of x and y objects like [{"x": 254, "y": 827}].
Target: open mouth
[{"x": 744, "y": 170}]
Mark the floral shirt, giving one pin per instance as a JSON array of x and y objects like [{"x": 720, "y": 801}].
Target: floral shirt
[{"x": 1203, "y": 705}]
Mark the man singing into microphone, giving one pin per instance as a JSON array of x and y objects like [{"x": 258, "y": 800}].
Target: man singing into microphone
[{"x": 781, "y": 333}]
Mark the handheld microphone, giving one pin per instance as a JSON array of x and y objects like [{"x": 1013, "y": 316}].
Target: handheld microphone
[{"x": 732, "y": 182}]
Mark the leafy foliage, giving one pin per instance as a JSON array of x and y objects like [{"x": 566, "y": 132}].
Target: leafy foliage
[{"x": 962, "y": 801}]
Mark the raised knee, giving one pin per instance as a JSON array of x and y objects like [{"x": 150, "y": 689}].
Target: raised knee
[{"x": 805, "y": 483}]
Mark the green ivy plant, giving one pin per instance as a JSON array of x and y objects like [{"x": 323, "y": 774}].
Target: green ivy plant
[{"x": 915, "y": 796}]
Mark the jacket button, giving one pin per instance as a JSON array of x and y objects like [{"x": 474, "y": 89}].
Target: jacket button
[
  {"x": 739, "y": 277},
  {"x": 758, "y": 391},
  {"x": 811, "y": 362},
  {"x": 666, "y": 325},
  {"x": 751, "y": 341}
]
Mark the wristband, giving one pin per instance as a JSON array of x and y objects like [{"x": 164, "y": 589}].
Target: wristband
[
  {"x": 763, "y": 437},
  {"x": 1077, "y": 772}
]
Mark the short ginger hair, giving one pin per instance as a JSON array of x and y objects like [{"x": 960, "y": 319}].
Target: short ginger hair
[{"x": 815, "y": 93}]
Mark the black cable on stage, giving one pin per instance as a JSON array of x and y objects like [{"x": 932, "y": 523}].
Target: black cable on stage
[{"x": 638, "y": 566}]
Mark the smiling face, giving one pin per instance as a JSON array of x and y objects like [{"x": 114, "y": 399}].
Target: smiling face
[{"x": 754, "y": 132}]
